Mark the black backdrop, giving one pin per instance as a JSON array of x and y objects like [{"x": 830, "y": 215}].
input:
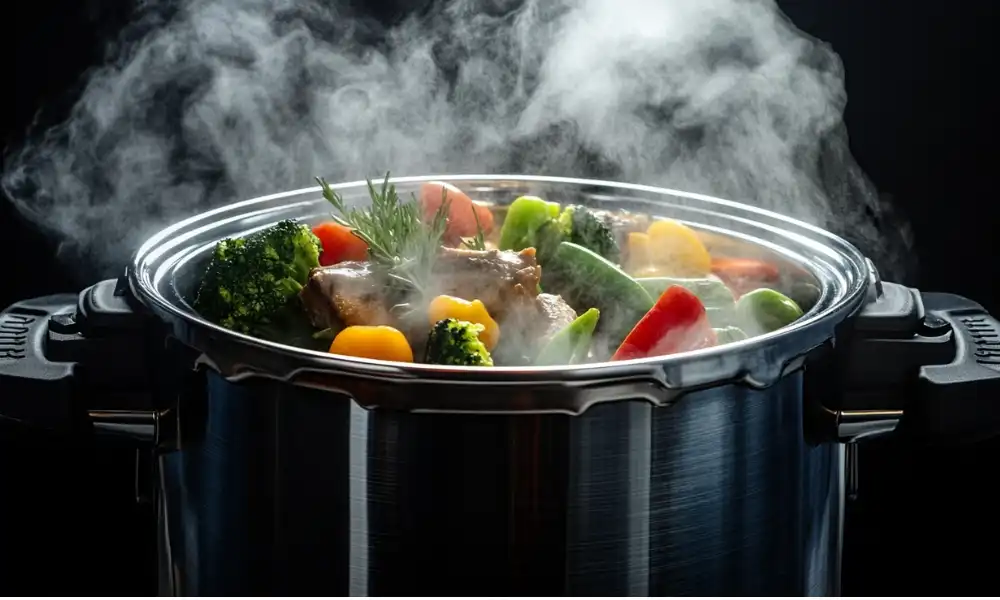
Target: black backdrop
[{"x": 922, "y": 121}]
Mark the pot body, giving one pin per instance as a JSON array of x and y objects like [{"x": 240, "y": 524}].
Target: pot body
[{"x": 281, "y": 490}]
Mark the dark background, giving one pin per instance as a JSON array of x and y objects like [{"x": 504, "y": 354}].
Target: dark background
[{"x": 922, "y": 119}]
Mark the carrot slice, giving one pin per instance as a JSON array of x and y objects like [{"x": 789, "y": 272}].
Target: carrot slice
[{"x": 462, "y": 211}]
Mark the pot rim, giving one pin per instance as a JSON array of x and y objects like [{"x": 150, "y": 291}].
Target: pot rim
[{"x": 143, "y": 277}]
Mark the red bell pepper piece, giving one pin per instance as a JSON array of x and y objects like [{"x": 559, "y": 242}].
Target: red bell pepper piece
[
  {"x": 676, "y": 323},
  {"x": 339, "y": 244},
  {"x": 743, "y": 275}
]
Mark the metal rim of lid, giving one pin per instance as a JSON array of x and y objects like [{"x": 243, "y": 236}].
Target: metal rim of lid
[{"x": 155, "y": 263}]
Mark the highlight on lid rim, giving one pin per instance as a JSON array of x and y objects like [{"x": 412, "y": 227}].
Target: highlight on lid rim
[{"x": 147, "y": 276}]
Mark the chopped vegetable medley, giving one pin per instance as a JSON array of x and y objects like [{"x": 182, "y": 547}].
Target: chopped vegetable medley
[{"x": 445, "y": 279}]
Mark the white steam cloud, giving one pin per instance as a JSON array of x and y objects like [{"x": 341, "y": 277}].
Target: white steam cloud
[{"x": 210, "y": 101}]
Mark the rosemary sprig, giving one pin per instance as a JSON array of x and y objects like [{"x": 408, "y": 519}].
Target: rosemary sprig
[
  {"x": 385, "y": 226},
  {"x": 396, "y": 236},
  {"x": 479, "y": 241}
]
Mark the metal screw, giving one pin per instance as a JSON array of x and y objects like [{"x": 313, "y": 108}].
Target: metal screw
[
  {"x": 64, "y": 323},
  {"x": 933, "y": 326}
]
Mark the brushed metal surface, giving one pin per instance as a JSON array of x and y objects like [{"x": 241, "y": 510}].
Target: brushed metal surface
[{"x": 284, "y": 490}]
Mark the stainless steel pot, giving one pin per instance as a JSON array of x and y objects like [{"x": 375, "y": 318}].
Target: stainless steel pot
[{"x": 720, "y": 472}]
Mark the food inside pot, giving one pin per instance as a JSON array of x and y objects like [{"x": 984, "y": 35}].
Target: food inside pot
[{"x": 444, "y": 279}]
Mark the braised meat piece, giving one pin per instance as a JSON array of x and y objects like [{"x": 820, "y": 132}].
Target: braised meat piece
[
  {"x": 530, "y": 323},
  {"x": 348, "y": 293},
  {"x": 496, "y": 278},
  {"x": 553, "y": 313},
  {"x": 352, "y": 293}
]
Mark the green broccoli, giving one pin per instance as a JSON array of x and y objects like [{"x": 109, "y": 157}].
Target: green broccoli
[
  {"x": 547, "y": 238},
  {"x": 584, "y": 227},
  {"x": 454, "y": 342},
  {"x": 250, "y": 279}
]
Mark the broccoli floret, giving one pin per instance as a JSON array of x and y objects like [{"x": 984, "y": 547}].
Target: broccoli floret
[
  {"x": 547, "y": 239},
  {"x": 454, "y": 342},
  {"x": 250, "y": 279},
  {"x": 586, "y": 228}
]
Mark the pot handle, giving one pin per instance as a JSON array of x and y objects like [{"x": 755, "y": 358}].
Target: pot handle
[
  {"x": 962, "y": 397},
  {"x": 59, "y": 354},
  {"x": 930, "y": 360}
]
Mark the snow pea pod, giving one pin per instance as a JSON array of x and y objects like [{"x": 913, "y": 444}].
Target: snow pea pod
[
  {"x": 595, "y": 280},
  {"x": 571, "y": 343},
  {"x": 586, "y": 278}
]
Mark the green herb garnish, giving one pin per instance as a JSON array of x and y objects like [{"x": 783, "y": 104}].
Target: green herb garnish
[
  {"x": 397, "y": 238},
  {"x": 478, "y": 242}
]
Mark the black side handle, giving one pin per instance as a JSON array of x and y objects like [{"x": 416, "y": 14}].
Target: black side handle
[
  {"x": 34, "y": 389},
  {"x": 932, "y": 358},
  {"x": 959, "y": 399},
  {"x": 63, "y": 356}
]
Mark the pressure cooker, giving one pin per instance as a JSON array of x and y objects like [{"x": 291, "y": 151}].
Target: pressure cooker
[{"x": 283, "y": 471}]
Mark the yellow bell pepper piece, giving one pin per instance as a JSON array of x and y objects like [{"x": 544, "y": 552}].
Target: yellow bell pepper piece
[
  {"x": 379, "y": 342},
  {"x": 677, "y": 251},
  {"x": 450, "y": 307},
  {"x": 639, "y": 256}
]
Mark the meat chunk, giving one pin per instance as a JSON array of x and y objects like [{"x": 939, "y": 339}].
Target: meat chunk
[
  {"x": 495, "y": 277},
  {"x": 348, "y": 293},
  {"x": 353, "y": 293},
  {"x": 552, "y": 314},
  {"x": 529, "y": 324}
]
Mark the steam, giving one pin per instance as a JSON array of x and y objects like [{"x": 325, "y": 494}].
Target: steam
[{"x": 207, "y": 102}]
